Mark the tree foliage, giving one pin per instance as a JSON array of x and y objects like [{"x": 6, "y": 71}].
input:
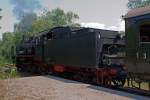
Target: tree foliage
[
  {"x": 54, "y": 18},
  {"x": 137, "y": 3},
  {"x": 5, "y": 46}
]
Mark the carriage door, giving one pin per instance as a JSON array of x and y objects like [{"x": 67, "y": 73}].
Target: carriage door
[{"x": 144, "y": 48}]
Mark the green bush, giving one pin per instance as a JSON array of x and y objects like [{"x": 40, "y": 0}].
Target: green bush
[
  {"x": 13, "y": 73},
  {"x": 10, "y": 73}
]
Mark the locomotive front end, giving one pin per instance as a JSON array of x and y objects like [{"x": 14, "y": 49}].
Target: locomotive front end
[{"x": 113, "y": 59}]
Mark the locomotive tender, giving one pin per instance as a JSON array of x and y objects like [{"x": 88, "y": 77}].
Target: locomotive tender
[{"x": 87, "y": 54}]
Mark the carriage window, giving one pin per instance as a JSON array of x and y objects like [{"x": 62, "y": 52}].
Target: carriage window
[{"x": 145, "y": 33}]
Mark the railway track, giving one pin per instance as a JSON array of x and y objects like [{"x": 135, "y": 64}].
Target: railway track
[
  {"x": 126, "y": 89},
  {"x": 131, "y": 90},
  {"x": 135, "y": 91}
]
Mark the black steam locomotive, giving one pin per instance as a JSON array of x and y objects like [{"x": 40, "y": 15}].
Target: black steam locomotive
[{"x": 86, "y": 54}]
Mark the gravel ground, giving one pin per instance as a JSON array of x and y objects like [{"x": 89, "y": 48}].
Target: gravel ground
[{"x": 53, "y": 88}]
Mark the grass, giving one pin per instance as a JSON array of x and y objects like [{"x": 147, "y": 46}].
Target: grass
[
  {"x": 3, "y": 62},
  {"x": 7, "y": 70},
  {"x": 11, "y": 72}
]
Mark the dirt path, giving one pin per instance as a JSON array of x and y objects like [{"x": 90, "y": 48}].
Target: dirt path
[{"x": 53, "y": 88}]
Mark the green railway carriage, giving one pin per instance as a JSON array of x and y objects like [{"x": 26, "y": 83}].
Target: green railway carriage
[{"x": 137, "y": 27}]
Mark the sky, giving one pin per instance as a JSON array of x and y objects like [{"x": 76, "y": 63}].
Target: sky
[{"x": 93, "y": 13}]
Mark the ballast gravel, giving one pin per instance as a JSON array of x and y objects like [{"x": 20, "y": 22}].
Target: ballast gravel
[{"x": 54, "y": 88}]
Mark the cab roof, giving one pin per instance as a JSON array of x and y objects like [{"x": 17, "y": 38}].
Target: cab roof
[{"x": 138, "y": 12}]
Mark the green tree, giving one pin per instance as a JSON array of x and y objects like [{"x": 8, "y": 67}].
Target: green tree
[
  {"x": 8, "y": 46},
  {"x": 17, "y": 37},
  {"x": 54, "y": 18},
  {"x": 137, "y": 3},
  {"x": 32, "y": 25},
  {"x": 71, "y": 18},
  {"x": 57, "y": 16},
  {"x": 60, "y": 18},
  {"x": 5, "y": 46}
]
